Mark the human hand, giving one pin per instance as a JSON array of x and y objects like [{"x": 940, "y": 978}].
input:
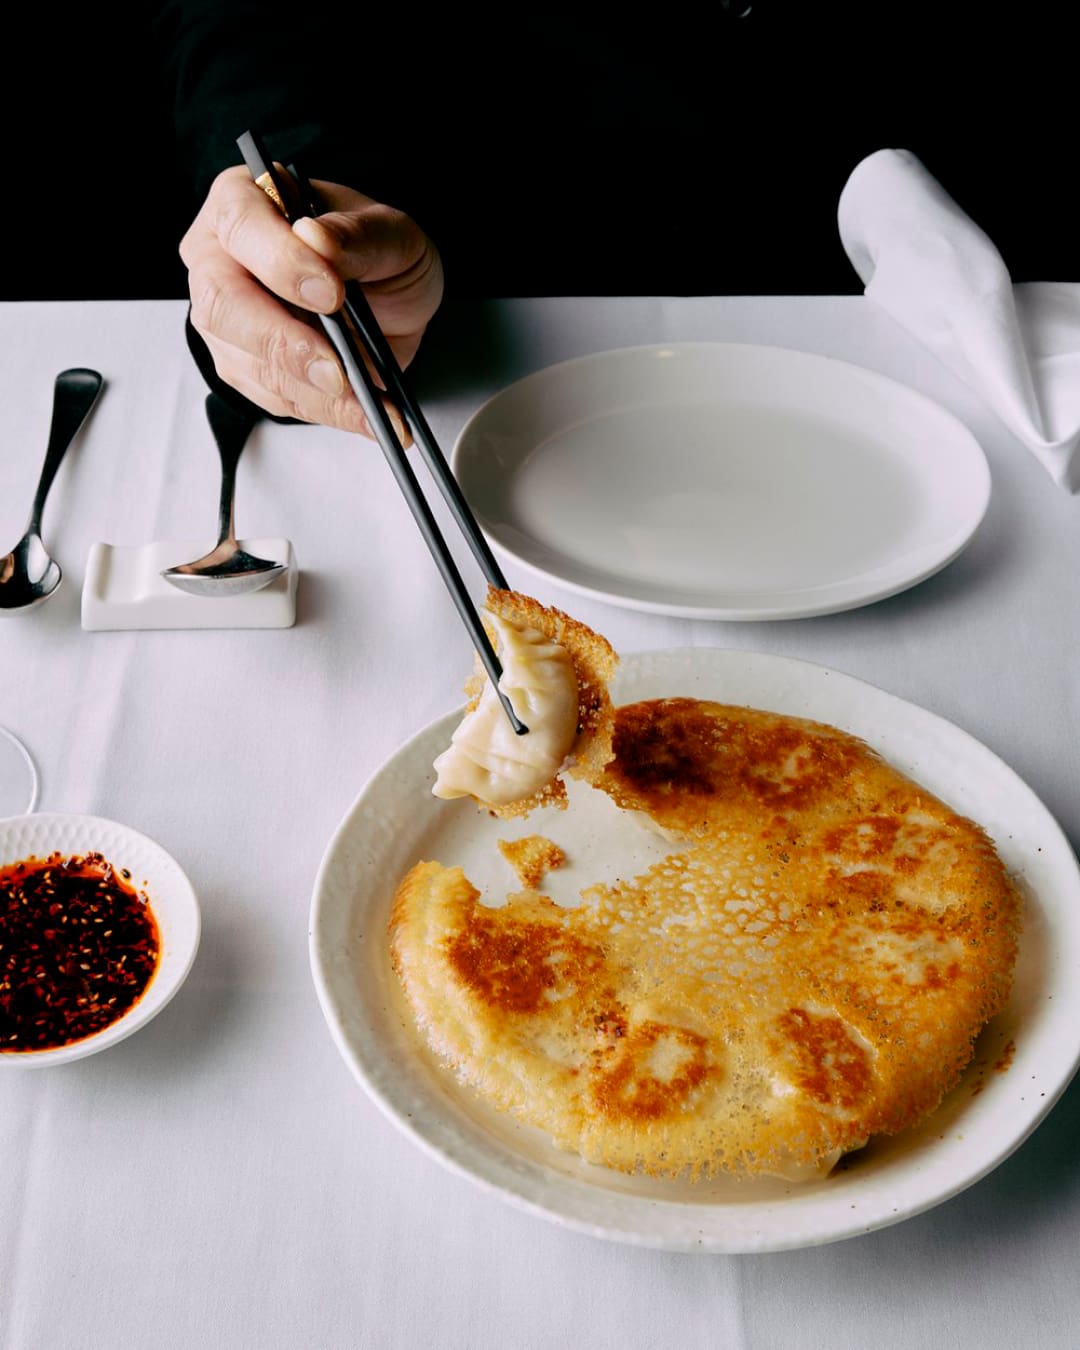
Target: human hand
[{"x": 254, "y": 281}]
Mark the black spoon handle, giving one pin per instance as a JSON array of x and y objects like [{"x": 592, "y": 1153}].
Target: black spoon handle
[
  {"x": 231, "y": 429},
  {"x": 74, "y": 394}
]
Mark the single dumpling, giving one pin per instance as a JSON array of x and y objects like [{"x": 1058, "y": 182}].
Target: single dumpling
[
  {"x": 555, "y": 673},
  {"x": 486, "y": 758}
]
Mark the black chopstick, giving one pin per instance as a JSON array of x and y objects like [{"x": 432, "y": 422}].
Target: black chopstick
[
  {"x": 358, "y": 310},
  {"x": 357, "y": 313}
]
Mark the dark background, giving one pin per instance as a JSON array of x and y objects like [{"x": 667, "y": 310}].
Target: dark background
[{"x": 96, "y": 200}]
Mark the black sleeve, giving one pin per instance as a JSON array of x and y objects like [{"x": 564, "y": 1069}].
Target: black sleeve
[
  {"x": 317, "y": 96},
  {"x": 230, "y": 66},
  {"x": 572, "y": 153}
]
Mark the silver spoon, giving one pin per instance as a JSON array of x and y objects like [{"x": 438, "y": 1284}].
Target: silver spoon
[
  {"x": 28, "y": 575},
  {"x": 226, "y": 569}
]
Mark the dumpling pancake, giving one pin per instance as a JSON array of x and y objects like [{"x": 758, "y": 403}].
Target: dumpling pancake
[{"x": 810, "y": 966}]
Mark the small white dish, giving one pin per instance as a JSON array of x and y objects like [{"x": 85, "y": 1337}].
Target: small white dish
[
  {"x": 153, "y": 872},
  {"x": 722, "y": 480},
  {"x": 396, "y": 821}
]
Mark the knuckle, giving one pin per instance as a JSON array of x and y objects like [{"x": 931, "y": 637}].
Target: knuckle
[
  {"x": 274, "y": 349},
  {"x": 227, "y": 228},
  {"x": 237, "y": 370},
  {"x": 195, "y": 237},
  {"x": 272, "y": 379},
  {"x": 284, "y": 351},
  {"x": 208, "y": 301},
  {"x": 265, "y": 390},
  {"x": 186, "y": 246},
  {"x": 230, "y": 221},
  {"x": 286, "y": 348},
  {"x": 227, "y": 187},
  {"x": 292, "y": 406}
]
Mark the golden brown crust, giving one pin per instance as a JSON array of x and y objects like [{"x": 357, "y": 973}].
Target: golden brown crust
[
  {"x": 690, "y": 764},
  {"x": 532, "y": 857},
  {"x": 812, "y": 968}
]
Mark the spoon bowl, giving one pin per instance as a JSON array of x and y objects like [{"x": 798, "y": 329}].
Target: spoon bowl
[
  {"x": 227, "y": 569},
  {"x": 28, "y": 574}
]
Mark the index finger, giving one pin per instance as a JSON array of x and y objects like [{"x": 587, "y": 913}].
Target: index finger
[{"x": 251, "y": 229}]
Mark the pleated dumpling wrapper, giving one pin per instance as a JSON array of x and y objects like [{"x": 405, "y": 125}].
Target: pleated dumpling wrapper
[{"x": 555, "y": 674}]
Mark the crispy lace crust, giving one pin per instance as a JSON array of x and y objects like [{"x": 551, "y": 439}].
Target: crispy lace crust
[{"x": 810, "y": 967}]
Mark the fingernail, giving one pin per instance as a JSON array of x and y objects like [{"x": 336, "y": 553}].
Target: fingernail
[
  {"x": 319, "y": 293},
  {"x": 326, "y": 375}
]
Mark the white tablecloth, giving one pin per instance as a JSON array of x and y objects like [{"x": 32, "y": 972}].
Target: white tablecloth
[{"x": 220, "y": 1179}]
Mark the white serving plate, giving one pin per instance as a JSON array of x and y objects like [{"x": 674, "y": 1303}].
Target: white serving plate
[
  {"x": 395, "y": 821},
  {"x": 722, "y": 480}
]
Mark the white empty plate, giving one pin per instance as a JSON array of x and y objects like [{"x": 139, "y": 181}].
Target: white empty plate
[
  {"x": 1023, "y": 1060},
  {"x": 722, "y": 481}
]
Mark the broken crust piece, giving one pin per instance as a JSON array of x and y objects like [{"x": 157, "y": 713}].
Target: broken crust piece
[
  {"x": 593, "y": 660},
  {"x": 532, "y": 858}
]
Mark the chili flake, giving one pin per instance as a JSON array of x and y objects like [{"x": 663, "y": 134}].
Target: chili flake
[{"x": 78, "y": 947}]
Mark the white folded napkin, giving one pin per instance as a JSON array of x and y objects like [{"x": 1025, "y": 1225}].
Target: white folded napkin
[{"x": 931, "y": 267}]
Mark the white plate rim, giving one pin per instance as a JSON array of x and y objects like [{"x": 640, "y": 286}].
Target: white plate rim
[
  {"x": 791, "y": 1224},
  {"x": 810, "y": 603},
  {"x": 172, "y": 899}
]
